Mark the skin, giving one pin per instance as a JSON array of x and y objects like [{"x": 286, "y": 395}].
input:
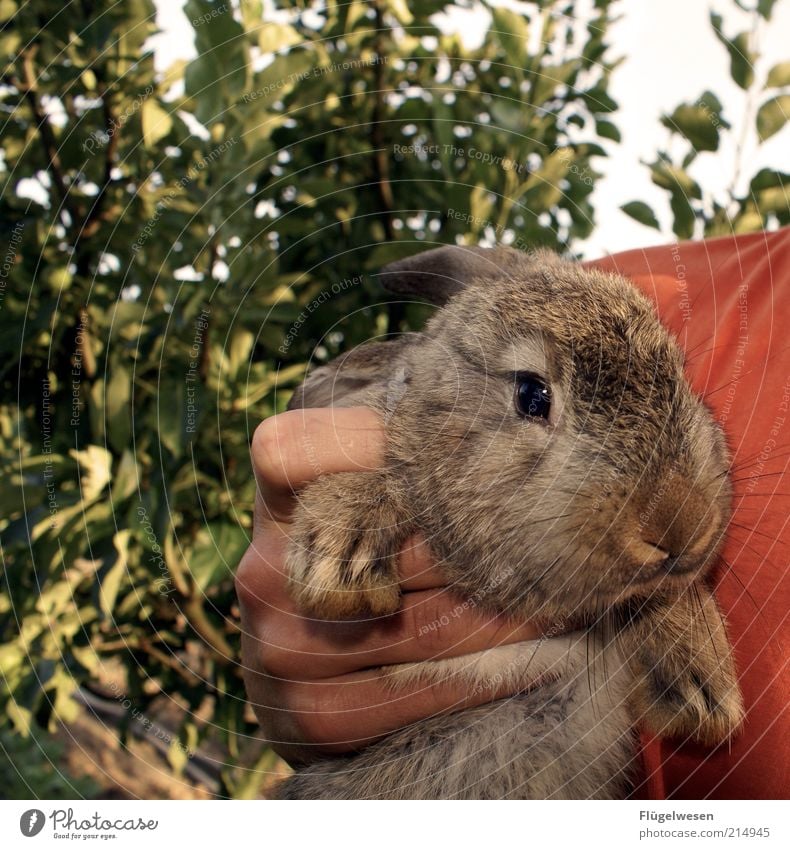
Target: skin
[{"x": 314, "y": 684}]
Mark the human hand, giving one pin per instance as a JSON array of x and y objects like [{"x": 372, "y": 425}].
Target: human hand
[{"x": 316, "y": 686}]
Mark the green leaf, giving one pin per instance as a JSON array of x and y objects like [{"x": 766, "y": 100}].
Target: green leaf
[
  {"x": 668, "y": 176},
  {"x": 748, "y": 220},
  {"x": 117, "y": 407},
  {"x": 774, "y": 200},
  {"x": 58, "y": 278},
  {"x": 214, "y": 25},
  {"x": 709, "y": 101},
  {"x": 683, "y": 225},
  {"x": 550, "y": 77},
  {"x": 768, "y": 178},
  {"x": 111, "y": 578},
  {"x": 400, "y": 9},
  {"x": 219, "y": 73},
  {"x": 177, "y": 756},
  {"x": 607, "y": 130},
  {"x": 8, "y": 8},
  {"x": 238, "y": 352},
  {"x": 218, "y": 549},
  {"x": 156, "y": 122},
  {"x": 274, "y": 37},
  {"x": 95, "y": 464},
  {"x": 599, "y": 100},
  {"x": 778, "y": 76},
  {"x": 126, "y": 479},
  {"x": 65, "y": 707},
  {"x": 641, "y": 212},
  {"x": 169, "y": 419},
  {"x": 508, "y": 115},
  {"x": 742, "y": 59},
  {"x": 512, "y": 33},
  {"x": 200, "y": 84},
  {"x": 20, "y": 717},
  {"x": 693, "y": 122},
  {"x": 772, "y": 116},
  {"x": 278, "y": 79},
  {"x": 765, "y": 8}
]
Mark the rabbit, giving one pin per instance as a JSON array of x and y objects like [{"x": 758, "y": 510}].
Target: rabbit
[{"x": 542, "y": 436}]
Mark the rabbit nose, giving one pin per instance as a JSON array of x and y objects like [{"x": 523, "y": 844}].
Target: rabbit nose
[
  {"x": 678, "y": 520},
  {"x": 669, "y": 561},
  {"x": 648, "y": 553}
]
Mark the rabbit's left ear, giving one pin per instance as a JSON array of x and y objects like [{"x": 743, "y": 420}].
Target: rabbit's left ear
[
  {"x": 356, "y": 377},
  {"x": 438, "y": 274}
]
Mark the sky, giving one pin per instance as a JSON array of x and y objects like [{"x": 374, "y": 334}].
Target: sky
[{"x": 671, "y": 56}]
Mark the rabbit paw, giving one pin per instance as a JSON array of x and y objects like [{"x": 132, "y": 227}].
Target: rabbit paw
[
  {"x": 703, "y": 703},
  {"x": 685, "y": 683},
  {"x": 345, "y": 539}
]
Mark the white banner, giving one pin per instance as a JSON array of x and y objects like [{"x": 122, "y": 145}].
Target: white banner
[{"x": 394, "y": 825}]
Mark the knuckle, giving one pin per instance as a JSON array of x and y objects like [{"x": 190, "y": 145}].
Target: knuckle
[
  {"x": 292, "y": 651},
  {"x": 428, "y": 623},
  {"x": 260, "y": 576},
  {"x": 271, "y": 448},
  {"x": 245, "y": 579},
  {"x": 277, "y": 660},
  {"x": 309, "y": 716},
  {"x": 314, "y": 715}
]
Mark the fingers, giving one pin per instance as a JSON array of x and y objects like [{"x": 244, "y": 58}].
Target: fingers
[
  {"x": 417, "y": 566},
  {"x": 295, "y": 447},
  {"x": 314, "y": 680},
  {"x": 431, "y": 624},
  {"x": 344, "y": 713}
]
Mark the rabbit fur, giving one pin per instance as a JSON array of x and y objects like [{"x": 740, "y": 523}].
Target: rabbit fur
[{"x": 606, "y": 516}]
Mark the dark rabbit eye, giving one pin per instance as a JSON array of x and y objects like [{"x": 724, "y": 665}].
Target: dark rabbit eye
[{"x": 533, "y": 398}]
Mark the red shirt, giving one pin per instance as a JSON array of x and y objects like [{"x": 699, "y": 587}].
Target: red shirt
[{"x": 728, "y": 302}]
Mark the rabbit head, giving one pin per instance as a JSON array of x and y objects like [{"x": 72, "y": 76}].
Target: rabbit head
[{"x": 558, "y": 459}]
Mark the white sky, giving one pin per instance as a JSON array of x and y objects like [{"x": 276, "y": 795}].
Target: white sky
[{"x": 671, "y": 56}]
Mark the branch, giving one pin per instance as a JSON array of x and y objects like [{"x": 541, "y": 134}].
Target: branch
[
  {"x": 179, "y": 667},
  {"x": 748, "y": 116},
  {"x": 200, "y": 624},
  {"x": 29, "y": 89},
  {"x": 94, "y": 217},
  {"x": 380, "y": 159},
  {"x": 381, "y": 163}
]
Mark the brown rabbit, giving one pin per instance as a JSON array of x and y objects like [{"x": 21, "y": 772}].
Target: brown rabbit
[{"x": 542, "y": 435}]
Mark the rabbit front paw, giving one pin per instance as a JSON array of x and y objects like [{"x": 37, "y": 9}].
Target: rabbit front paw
[
  {"x": 344, "y": 543},
  {"x": 690, "y": 701},
  {"x": 685, "y": 682}
]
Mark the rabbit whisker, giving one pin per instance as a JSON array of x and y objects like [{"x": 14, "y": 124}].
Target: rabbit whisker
[
  {"x": 754, "y": 531},
  {"x": 701, "y": 608},
  {"x": 759, "y": 477},
  {"x": 731, "y": 571},
  {"x": 760, "y": 554}
]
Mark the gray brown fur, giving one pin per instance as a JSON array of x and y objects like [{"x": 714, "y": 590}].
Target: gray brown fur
[{"x": 537, "y": 520}]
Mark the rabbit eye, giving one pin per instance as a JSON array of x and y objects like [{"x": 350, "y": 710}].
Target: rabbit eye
[{"x": 533, "y": 398}]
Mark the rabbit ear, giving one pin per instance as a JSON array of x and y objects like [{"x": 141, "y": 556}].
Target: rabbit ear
[
  {"x": 357, "y": 378},
  {"x": 438, "y": 274}
]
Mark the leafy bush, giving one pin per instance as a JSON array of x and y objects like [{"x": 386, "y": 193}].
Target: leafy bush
[
  {"x": 179, "y": 245},
  {"x": 30, "y": 769},
  {"x": 700, "y": 126}
]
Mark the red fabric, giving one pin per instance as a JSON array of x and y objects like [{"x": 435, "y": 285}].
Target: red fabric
[{"x": 728, "y": 302}]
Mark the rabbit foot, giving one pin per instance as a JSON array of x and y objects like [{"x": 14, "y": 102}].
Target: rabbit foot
[
  {"x": 345, "y": 540},
  {"x": 703, "y": 705},
  {"x": 685, "y": 683}
]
